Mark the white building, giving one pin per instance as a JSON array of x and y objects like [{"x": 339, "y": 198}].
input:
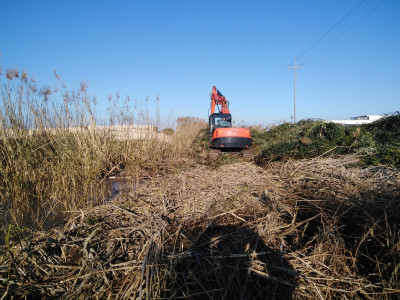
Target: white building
[{"x": 358, "y": 120}]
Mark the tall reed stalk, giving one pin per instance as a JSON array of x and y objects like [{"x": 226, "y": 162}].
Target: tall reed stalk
[{"x": 54, "y": 155}]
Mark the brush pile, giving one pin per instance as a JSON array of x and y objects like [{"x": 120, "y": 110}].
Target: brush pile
[
  {"x": 310, "y": 229},
  {"x": 375, "y": 143}
]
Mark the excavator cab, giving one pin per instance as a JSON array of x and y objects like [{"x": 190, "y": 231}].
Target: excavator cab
[
  {"x": 223, "y": 121},
  {"x": 221, "y": 135},
  {"x": 218, "y": 120}
]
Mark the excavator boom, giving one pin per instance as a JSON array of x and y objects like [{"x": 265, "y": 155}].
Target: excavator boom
[
  {"x": 217, "y": 99},
  {"x": 221, "y": 135}
]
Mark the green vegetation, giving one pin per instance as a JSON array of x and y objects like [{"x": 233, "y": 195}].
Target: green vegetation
[
  {"x": 386, "y": 133},
  {"x": 201, "y": 139},
  {"x": 225, "y": 159},
  {"x": 376, "y": 143}
]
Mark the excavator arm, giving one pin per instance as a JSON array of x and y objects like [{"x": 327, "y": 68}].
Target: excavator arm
[
  {"x": 221, "y": 135},
  {"x": 217, "y": 99}
]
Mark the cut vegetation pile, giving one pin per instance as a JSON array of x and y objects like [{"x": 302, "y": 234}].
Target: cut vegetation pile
[
  {"x": 307, "y": 229},
  {"x": 376, "y": 143}
]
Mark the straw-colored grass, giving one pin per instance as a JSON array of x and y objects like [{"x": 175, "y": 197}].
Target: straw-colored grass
[
  {"x": 55, "y": 157},
  {"x": 310, "y": 229}
]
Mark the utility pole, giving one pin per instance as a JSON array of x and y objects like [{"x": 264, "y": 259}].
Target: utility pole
[{"x": 295, "y": 76}]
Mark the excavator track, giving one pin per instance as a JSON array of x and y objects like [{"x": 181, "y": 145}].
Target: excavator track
[
  {"x": 222, "y": 137},
  {"x": 247, "y": 154}
]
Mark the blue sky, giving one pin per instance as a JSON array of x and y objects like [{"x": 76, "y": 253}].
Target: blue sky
[{"x": 180, "y": 49}]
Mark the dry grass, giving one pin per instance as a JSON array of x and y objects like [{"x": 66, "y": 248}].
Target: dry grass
[
  {"x": 311, "y": 230},
  {"x": 55, "y": 157}
]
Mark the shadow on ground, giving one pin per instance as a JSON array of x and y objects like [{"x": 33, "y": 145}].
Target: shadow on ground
[{"x": 232, "y": 262}]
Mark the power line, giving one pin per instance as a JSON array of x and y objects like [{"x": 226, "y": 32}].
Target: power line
[
  {"x": 332, "y": 28},
  {"x": 278, "y": 83},
  {"x": 346, "y": 30},
  {"x": 312, "y": 46},
  {"x": 270, "y": 83}
]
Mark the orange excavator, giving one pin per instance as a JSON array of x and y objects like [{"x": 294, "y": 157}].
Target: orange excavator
[{"x": 221, "y": 135}]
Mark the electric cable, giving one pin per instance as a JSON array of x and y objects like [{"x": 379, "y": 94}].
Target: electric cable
[
  {"x": 312, "y": 46},
  {"x": 331, "y": 29},
  {"x": 270, "y": 83},
  {"x": 346, "y": 30}
]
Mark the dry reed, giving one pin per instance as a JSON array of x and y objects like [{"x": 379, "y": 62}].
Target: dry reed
[
  {"x": 307, "y": 229},
  {"x": 54, "y": 156}
]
